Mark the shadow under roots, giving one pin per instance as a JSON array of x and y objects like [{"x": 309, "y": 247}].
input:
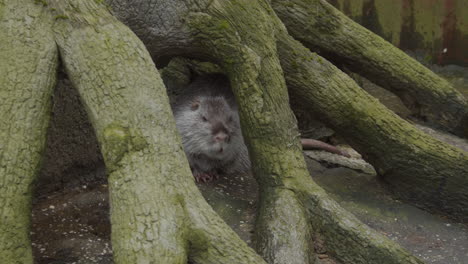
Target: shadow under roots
[{"x": 70, "y": 214}]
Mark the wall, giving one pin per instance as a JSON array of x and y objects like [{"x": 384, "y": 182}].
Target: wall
[{"x": 438, "y": 27}]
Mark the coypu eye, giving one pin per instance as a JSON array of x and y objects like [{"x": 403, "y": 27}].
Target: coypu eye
[
  {"x": 204, "y": 119},
  {"x": 195, "y": 105}
]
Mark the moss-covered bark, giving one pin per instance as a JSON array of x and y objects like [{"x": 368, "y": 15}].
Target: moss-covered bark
[
  {"x": 157, "y": 213},
  {"x": 419, "y": 168},
  {"x": 345, "y": 237},
  {"x": 28, "y": 60},
  {"x": 250, "y": 61},
  {"x": 281, "y": 223},
  {"x": 321, "y": 27},
  {"x": 267, "y": 122}
]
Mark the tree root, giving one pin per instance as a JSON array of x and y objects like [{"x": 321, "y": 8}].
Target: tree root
[
  {"x": 28, "y": 61},
  {"x": 320, "y": 27},
  {"x": 417, "y": 167},
  {"x": 157, "y": 212}
]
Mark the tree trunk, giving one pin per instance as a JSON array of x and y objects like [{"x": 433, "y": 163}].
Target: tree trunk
[
  {"x": 28, "y": 59},
  {"x": 321, "y": 27}
]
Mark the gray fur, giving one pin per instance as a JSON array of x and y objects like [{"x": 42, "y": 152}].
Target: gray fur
[{"x": 207, "y": 108}]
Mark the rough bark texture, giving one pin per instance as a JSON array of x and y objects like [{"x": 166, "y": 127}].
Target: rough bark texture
[
  {"x": 267, "y": 122},
  {"x": 222, "y": 31},
  {"x": 224, "y": 34},
  {"x": 419, "y": 168},
  {"x": 281, "y": 223},
  {"x": 28, "y": 59},
  {"x": 157, "y": 213},
  {"x": 345, "y": 237},
  {"x": 319, "y": 26}
]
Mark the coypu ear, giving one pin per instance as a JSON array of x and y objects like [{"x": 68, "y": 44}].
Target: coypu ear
[{"x": 195, "y": 105}]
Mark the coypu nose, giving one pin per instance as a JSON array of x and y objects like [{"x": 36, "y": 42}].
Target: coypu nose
[{"x": 221, "y": 137}]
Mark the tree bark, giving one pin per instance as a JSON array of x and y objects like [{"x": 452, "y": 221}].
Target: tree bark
[
  {"x": 28, "y": 59},
  {"x": 225, "y": 35},
  {"x": 345, "y": 237},
  {"x": 417, "y": 167},
  {"x": 157, "y": 212},
  {"x": 321, "y": 27},
  {"x": 222, "y": 45}
]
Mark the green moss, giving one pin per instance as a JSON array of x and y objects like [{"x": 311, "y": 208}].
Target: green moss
[
  {"x": 42, "y": 2},
  {"x": 287, "y": 4},
  {"x": 295, "y": 65},
  {"x": 205, "y": 67},
  {"x": 223, "y": 25},
  {"x": 325, "y": 22},
  {"x": 198, "y": 241},
  {"x": 229, "y": 61},
  {"x": 75, "y": 7},
  {"x": 138, "y": 143},
  {"x": 61, "y": 17},
  {"x": 117, "y": 140}
]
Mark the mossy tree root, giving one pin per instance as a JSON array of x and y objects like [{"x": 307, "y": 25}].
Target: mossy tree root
[
  {"x": 238, "y": 36},
  {"x": 157, "y": 212},
  {"x": 28, "y": 61},
  {"x": 344, "y": 236},
  {"x": 251, "y": 62},
  {"x": 417, "y": 167},
  {"x": 321, "y": 27},
  {"x": 289, "y": 198}
]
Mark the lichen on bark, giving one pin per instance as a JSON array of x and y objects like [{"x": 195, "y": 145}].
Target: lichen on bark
[{"x": 157, "y": 213}]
